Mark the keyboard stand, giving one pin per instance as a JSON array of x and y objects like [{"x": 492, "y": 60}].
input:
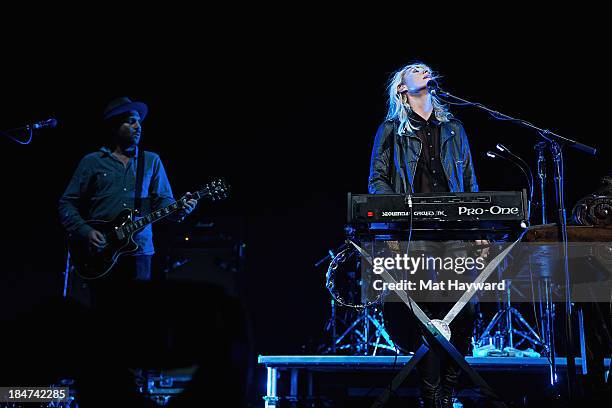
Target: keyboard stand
[{"x": 434, "y": 336}]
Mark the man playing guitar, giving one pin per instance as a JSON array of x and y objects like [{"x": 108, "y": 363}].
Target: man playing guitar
[{"x": 106, "y": 183}]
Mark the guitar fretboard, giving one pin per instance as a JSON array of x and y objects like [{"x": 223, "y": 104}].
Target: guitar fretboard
[
  {"x": 218, "y": 188},
  {"x": 151, "y": 218}
]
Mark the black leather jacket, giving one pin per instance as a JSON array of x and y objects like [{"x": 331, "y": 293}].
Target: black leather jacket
[{"x": 393, "y": 154}]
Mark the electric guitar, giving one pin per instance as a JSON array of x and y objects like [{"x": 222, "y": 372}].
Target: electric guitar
[{"x": 92, "y": 263}]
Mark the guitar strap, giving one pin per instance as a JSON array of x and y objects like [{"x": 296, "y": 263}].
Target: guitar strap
[{"x": 139, "y": 177}]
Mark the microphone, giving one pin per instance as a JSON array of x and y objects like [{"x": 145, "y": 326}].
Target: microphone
[
  {"x": 432, "y": 86},
  {"x": 504, "y": 149},
  {"x": 516, "y": 160},
  {"x": 526, "y": 170},
  {"x": 48, "y": 123}
]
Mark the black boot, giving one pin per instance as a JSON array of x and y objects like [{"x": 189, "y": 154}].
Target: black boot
[
  {"x": 445, "y": 396},
  {"x": 428, "y": 403},
  {"x": 429, "y": 395},
  {"x": 450, "y": 381}
]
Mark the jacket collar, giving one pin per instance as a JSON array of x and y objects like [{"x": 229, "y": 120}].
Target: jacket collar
[
  {"x": 108, "y": 152},
  {"x": 419, "y": 121},
  {"x": 446, "y": 132}
]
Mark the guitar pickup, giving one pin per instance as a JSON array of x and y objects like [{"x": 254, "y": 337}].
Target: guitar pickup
[{"x": 120, "y": 234}]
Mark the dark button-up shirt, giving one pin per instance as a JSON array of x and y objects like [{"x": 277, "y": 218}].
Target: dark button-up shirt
[
  {"x": 102, "y": 186},
  {"x": 429, "y": 175}
]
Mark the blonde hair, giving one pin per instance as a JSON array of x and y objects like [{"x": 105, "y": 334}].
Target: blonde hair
[{"x": 399, "y": 108}]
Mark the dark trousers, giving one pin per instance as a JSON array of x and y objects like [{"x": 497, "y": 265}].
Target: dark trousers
[
  {"x": 437, "y": 370},
  {"x": 114, "y": 287},
  {"x": 117, "y": 340},
  {"x": 132, "y": 268}
]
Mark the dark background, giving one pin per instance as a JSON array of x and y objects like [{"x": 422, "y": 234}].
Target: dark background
[{"x": 287, "y": 114}]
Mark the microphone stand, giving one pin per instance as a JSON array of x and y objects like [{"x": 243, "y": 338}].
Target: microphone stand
[
  {"x": 7, "y": 133},
  {"x": 29, "y": 128},
  {"x": 547, "y": 318},
  {"x": 539, "y": 147},
  {"x": 556, "y": 143},
  {"x": 545, "y": 133},
  {"x": 562, "y": 223}
]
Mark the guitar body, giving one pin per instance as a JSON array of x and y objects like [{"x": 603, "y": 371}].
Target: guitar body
[{"x": 93, "y": 263}]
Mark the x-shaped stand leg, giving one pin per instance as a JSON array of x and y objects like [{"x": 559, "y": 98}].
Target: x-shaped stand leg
[{"x": 434, "y": 335}]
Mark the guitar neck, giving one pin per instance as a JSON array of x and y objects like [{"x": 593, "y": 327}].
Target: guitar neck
[
  {"x": 159, "y": 214},
  {"x": 154, "y": 217}
]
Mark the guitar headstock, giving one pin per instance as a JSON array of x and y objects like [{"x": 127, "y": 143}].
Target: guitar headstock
[{"x": 216, "y": 190}]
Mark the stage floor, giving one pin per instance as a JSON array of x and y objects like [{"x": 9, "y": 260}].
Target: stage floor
[
  {"x": 391, "y": 362},
  {"x": 296, "y": 365}
]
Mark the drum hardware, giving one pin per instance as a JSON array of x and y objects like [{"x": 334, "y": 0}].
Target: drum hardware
[{"x": 364, "y": 332}]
